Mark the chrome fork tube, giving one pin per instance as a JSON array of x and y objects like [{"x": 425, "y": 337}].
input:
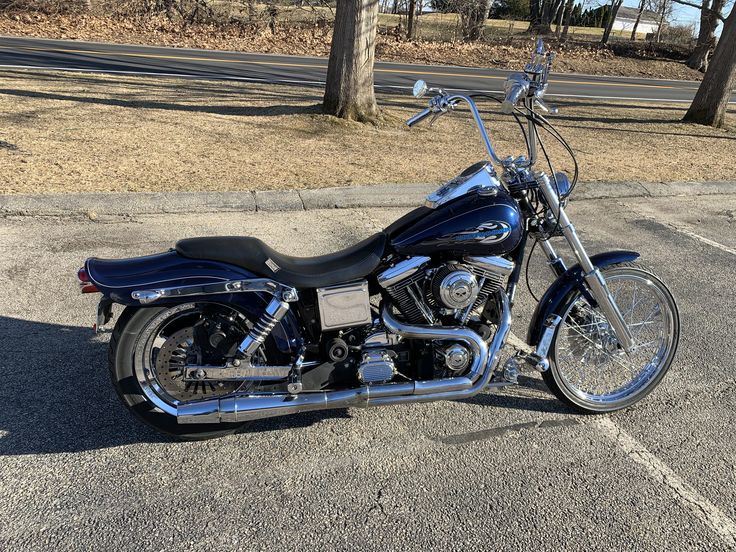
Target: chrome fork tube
[
  {"x": 554, "y": 260},
  {"x": 593, "y": 277}
]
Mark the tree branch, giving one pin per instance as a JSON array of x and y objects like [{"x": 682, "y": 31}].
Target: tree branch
[{"x": 700, "y": 7}]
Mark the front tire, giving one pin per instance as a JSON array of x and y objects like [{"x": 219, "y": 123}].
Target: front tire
[
  {"x": 124, "y": 356},
  {"x": 588, "y": 369}
]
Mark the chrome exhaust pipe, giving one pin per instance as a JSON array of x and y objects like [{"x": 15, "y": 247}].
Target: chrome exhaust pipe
[{"x": 242, "y": 408}]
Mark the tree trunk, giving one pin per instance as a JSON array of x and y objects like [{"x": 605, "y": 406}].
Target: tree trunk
[
  {"x": 349, "y": 90},
  {"x": 714, "y": 93},
  {"x": 662, "y": 15},
  {"x": 706, "y": 35},
  {"x": 534, "y": 14},
  {"x": 615, "y": 5},
  {"x": 638, "y": 18},
  {"x": 560, "y": 13},
  {"x": 473, "y": 15},
  {"x": 540, "y": 21},
  {"x": 411, "y": 13},
  {"x": 568, "y": 16}
]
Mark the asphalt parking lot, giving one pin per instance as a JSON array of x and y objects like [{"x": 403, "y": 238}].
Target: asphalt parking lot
[{"x": 514, "y": 470}]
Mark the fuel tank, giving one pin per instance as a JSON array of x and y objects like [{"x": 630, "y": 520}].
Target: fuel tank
[{"x": 486, "y": 222}]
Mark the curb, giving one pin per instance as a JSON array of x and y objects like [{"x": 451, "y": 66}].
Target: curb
[{"x": 92, "y": 205}]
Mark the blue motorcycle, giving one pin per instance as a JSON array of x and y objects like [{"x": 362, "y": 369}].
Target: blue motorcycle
[{"x": 220, "y": 331}]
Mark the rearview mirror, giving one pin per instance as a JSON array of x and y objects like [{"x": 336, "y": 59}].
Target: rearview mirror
[{"x": 420, "y": 89}]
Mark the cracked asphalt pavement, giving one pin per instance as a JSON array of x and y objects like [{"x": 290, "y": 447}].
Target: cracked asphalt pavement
[{"x": 508, "y": 470}]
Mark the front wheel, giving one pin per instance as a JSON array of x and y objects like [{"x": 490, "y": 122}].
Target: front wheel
[{"x": 588, "y": 368}]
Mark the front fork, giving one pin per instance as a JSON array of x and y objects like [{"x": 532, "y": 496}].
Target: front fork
[{"x": 593, "y": 277}]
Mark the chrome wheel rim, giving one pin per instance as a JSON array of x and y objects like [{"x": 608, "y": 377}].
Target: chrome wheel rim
[
  {"x": 163, "y": 347},
  {"x": 590, "y": 364}
]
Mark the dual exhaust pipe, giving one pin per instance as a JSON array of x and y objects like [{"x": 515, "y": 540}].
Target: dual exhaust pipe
[{"x": 243, "y": 408}]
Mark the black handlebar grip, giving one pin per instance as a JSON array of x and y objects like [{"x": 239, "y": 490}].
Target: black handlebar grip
[{"x": 419, "y": 117}]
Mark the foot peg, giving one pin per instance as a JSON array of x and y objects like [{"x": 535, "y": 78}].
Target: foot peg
[
  {"x": 536, "y": 359},
  {"x": 294, "y": 387}
]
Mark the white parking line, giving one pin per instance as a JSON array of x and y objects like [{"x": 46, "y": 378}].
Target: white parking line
[
  {"x": 704, "y": 240},
  {"x": 699, "y": 506}
]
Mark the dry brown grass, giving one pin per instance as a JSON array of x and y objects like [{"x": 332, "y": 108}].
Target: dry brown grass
[{"x": 73, "y": 132}]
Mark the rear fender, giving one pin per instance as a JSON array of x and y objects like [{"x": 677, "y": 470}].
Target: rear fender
[
  {"x": 117, "y": 279},
  {"x": 571, "y": 279}
]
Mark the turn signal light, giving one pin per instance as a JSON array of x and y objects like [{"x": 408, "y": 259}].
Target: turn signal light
[{"x": 85, "y": 284}]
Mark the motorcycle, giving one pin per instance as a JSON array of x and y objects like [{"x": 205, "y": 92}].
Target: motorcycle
[{"x": 220, "y": 331}]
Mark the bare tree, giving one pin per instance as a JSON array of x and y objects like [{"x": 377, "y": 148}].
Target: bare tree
[
  {"x": 612, "y": 14},
  {"x": 349, "y": 90},
  {"x": 664, "y": 8},
  {"x": 410, "y": 15},
  {"x": 568, "y": 16},
  {"x": 710, "y": 14},
  {"x": 714, "y": 93},
  {"x": 473, "y": 15},
  {"x": 639, "y": 12},
  {"x": 541, "y": 14},
  {"x": 560, "y": 16}
]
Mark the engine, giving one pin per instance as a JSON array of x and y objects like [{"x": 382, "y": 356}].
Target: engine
[{"x": 456, "y": 289}]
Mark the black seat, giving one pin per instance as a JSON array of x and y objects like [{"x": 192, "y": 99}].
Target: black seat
[{"x": 301, "y": 272}]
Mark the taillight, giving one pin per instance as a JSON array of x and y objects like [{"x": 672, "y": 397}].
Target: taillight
[{"x": 85, "y": 284}]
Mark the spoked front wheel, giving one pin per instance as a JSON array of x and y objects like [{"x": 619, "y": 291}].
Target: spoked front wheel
[{"x": 588, "y": 367}]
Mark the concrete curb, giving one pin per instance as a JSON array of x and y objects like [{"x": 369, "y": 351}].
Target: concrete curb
[{"x": 93, "y": 205}]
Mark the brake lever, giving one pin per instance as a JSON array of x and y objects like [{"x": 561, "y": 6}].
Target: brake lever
[
  {"x": 436, "y": 116},
  {"x": 547, "y": 108}
]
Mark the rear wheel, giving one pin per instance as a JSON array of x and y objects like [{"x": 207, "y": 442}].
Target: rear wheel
[
  {"x": 150, "y": 349},
  {"x": 588, "y": 367}
]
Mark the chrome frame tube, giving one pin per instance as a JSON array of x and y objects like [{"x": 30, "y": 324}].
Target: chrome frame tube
[
  {"x": 287, "y": 293},
  {"x": 593, "y": 277},
  {"x": 240, "y": 408}
]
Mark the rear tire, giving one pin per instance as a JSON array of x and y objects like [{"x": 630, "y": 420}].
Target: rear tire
[{"x": 121, "y": 358}]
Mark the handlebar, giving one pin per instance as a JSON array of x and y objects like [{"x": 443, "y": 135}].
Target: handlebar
[
  {"x": 419, "y": 117},
  {"x": 444, "y": 103},
  {"x": 528, "y": 88}
]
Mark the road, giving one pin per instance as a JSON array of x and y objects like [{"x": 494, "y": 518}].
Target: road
[
  {"x": 65, "y": 55},
  {"x": 514, "y": 470}
]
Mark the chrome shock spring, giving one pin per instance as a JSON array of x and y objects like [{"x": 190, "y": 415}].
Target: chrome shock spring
[{"x": 273, "y": 314}]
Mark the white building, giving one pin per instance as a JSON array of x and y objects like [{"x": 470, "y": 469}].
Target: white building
[{"x": 626, "y": 17}]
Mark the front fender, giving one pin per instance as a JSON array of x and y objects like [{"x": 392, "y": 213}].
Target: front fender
[
  {"x": 117, "y": 279},
  {"x": 561, "y": 287}
]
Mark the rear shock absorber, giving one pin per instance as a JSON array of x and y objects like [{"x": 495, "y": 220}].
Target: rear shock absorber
[{"x": 273, "y": 314}]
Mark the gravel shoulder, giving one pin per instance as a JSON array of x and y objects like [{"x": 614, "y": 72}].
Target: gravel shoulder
[{"x": 70, "y": 132}]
